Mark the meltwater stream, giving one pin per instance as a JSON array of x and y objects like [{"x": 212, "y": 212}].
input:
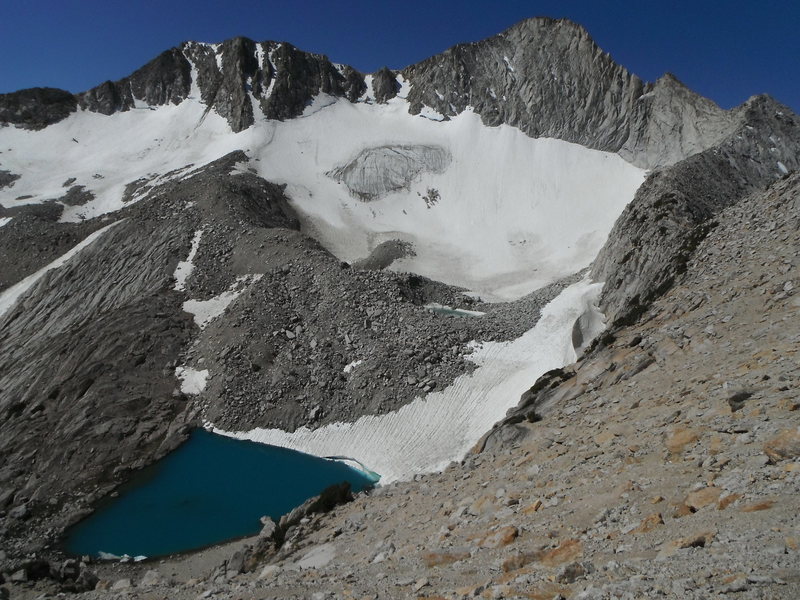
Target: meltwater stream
[{"x": 211, "y": 489}]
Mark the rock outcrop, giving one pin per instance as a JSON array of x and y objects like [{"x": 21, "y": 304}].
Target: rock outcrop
[
  {"x": 673, "y": 210},
  {"x": 36, "y": 108}
]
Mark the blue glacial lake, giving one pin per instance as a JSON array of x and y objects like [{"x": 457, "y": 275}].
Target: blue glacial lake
[{"x": 211, "y": 489}]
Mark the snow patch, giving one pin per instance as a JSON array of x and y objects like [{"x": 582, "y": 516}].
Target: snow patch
[
  {"x": 782, "y": 168},
  {"x": 205, "y": 311},
  {"x": 428, "y": 113},
  {"x": 350, "y": 366},
  {"x": 192, "y": 381},
  {"x": 369, "y": 93},
  {"x": 5, "y": 220},
  {"x": 512, "y": 213},
  {"x": 429, "y": 433},
  {"x": 319, "y": 102},
  {"x": 185, "y": 267},
  {"x": 405, "y": 87},
  {"x": 218, "y": 55}
]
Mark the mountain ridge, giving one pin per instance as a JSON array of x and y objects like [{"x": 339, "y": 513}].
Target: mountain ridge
[{"x": 624, "y": 114}]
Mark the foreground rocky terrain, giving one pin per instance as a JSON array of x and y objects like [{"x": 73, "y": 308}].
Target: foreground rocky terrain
[{"x": 661, "y": 463}]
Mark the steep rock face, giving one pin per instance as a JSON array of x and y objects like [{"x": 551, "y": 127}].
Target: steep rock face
[
  {"x": 669, "y": 122},
  {"x": 673, "y": 210},
  {"x": 299, "y": 76},
  {"x": 164, "y": 80},
  {"x": 36, "y": 108},
  {"x": 233, "y": 78},
  {"x": 86, "y": 355},
  {"x": 549, "y": 79},
  {"x": 384, "y": 85}
]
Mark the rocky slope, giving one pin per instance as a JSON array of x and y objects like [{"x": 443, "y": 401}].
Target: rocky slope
[
  {"x": 665, "y": 464},
  {"x": 675, "y": 208}
]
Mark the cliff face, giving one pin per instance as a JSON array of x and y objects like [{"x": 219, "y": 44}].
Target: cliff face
[
  {"x": 675, "y": 207},
  {"x": 549, "y": 79},
  {"x": 233, "y": 78}
]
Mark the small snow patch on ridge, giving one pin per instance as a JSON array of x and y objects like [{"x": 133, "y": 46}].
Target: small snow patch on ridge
[
  {"x": 205, "y": 311},
  {"x": 192, "y": 381},
  {"x": 349, "y": 367},
  {"x": 5, "y": 221},
  {"x": 185, "y": 267}
]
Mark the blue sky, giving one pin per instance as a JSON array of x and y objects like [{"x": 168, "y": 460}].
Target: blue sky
[{"x": 727, "y": 51}]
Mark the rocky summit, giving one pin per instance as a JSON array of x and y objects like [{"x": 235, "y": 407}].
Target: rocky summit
[{"x": 554, "y": 306}]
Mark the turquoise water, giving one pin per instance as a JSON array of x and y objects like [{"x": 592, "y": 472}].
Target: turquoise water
[{"x": 211, "y": 489}]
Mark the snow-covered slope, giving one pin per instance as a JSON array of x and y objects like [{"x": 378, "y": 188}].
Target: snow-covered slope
[
  {"x": 499, "y": 213},
  {"x": 429, "y": 433}
]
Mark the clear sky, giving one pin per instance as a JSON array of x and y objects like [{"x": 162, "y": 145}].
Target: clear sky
[{"x": 726, "y": 50}]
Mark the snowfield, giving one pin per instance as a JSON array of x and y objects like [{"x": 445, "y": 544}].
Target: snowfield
[
  {"x": 503, "y": 214},
  {"x": 430, "y": 432}
]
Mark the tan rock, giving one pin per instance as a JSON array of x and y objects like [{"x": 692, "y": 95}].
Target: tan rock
[
  {"x": 482, "y": 505},
  {"x": 517, "y": 561},
  {"x": 785, "y": 445},
  {"x": 681, "y": 510},
  {"x": 603, "y": 438},
  {"x": 438, "y": 558},
  {"x": 532, "y": 508},
  {"x": 726, "y": 501},
  {"x": 649, "y": 523},
  {"x": 788, "y": 404},
  {"x": 703, "y": 497},
  {"x": 700, "y": 540},
  {"x": 472, "y": 590},
  {"x": 679, "y": 438},
  {"x": 502, "y": 536},
  {"x": 567, "y": 551},
  {"x": 757, "y": 506}
]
